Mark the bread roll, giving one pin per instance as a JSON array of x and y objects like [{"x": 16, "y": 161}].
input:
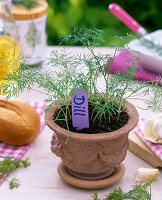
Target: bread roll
[{"x": 19, "y": 122}]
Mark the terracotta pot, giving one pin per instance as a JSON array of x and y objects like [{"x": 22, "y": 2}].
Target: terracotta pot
[{"x": 91, "y": 156}]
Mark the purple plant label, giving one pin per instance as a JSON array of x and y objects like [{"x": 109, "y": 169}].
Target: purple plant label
[{"x": 80, "y": 116}]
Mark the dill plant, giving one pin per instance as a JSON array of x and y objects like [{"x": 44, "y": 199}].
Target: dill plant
[
  {"x": 69, "y": 72},
  {"x": 138, "y": 192},
  {"x": 10, "y": 164}
]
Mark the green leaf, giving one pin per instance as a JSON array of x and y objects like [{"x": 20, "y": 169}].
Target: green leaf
[
  {"x": 60, "y": 23},
  {"x": 74, "y": 14},
  {"x": 109, "y": 20},
  {"x": 93, "y": 16},
  {"x": 77, "y": 2}
]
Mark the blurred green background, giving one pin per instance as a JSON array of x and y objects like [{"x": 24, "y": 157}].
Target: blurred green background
[{"x": 64, "y": 15}]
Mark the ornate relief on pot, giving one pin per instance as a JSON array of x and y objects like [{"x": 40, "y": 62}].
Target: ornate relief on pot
[
  {"x": 60, "y": 149},
  {"x": 56, "y": 147},
  {"x": 113, "y": 158}
]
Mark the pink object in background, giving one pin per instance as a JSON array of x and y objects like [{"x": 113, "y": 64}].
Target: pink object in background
[
  {"x": 124, "y": 59},
  {"x": 19, "y": 151},
  {"x": 127, "y": 19},
  {"x": 149, "y": 59}
]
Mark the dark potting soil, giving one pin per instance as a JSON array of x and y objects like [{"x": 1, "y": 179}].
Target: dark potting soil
[{"x": 98, "y": 126}]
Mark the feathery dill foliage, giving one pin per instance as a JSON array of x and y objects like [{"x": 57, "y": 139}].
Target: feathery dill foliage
[
  {"x": 10, "y": 164},
  {"x": 68, "y": 72},
  {"x": 14, "y": 183},
  {"x": 139, "y": 192},
  {"x": 26, "y": 3}
]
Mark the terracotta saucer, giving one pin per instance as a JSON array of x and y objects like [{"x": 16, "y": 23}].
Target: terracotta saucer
[{"x": 90, "y": 184}]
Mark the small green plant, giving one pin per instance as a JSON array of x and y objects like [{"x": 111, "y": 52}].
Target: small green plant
[
  {"x": 10, "y": 164},
  {"x": 68, "y": 72},
  {"x": 14, "y": 183},
  {"x": 139, "y": 192}
]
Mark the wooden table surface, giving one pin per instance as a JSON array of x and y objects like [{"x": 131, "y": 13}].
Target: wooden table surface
[{"x": 41, "y": 181}]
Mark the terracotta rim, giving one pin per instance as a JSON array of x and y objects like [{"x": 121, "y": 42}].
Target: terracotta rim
[{"x": 125, "y": 129}]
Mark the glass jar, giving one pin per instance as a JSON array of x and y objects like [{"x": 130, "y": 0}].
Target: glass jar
[
  {"x": 9, "y": 48},
  {"x": 31, "y": 24}
]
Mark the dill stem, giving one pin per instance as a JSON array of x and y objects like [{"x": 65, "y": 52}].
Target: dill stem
[
  {"x": 139, "y": 99},
  {"x": 120, "y": 101},
  {"x": 66, "y": 120},
  {"x": 40, "y": 92}
]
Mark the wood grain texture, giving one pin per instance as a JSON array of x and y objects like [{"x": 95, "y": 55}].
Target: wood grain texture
[{"x": 137, "y": 147}]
